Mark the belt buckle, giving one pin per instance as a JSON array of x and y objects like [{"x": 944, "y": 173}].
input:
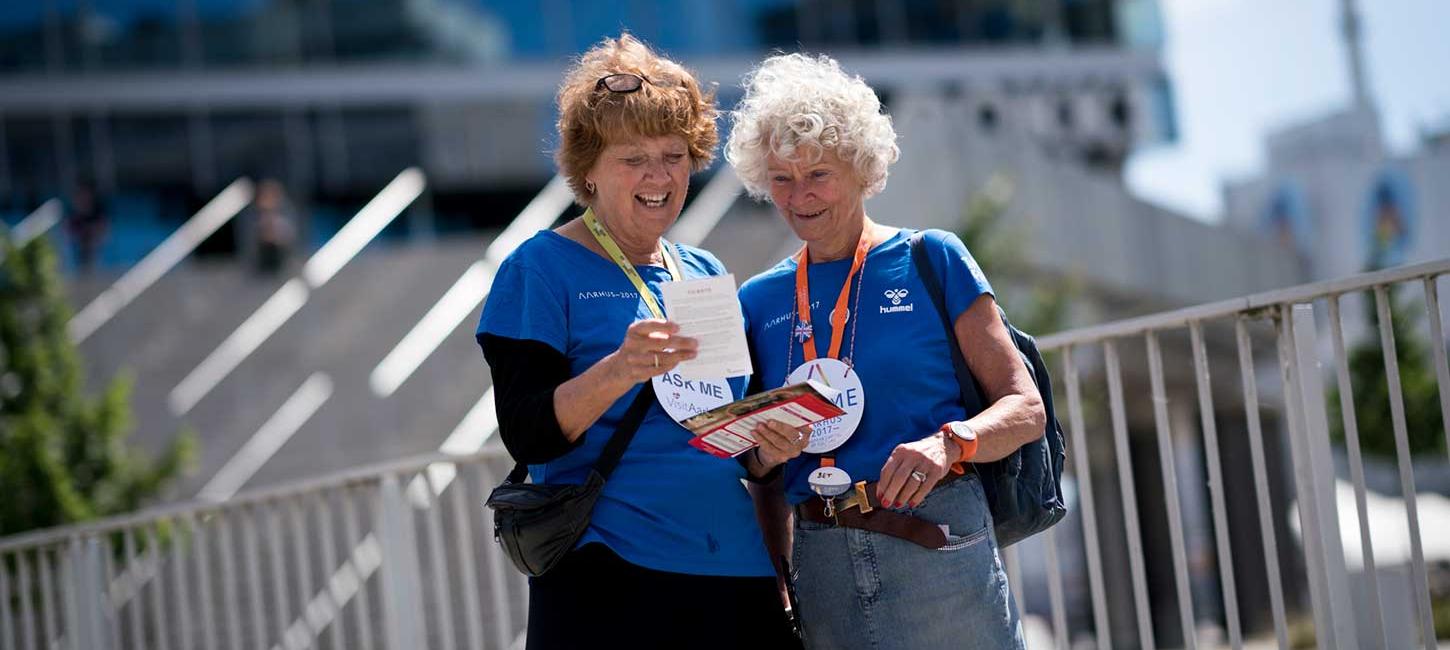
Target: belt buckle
[
  {"x": 863, "y": 501},
  {"x": 857, "y": 499}
]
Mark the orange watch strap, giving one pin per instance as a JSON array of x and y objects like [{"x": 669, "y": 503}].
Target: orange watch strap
[
  {"x": 969, "y": 449},
  {"x": 966, "y": 451}
]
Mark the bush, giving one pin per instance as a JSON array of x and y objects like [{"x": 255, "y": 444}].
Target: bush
[{"x": 63, "y": 455}]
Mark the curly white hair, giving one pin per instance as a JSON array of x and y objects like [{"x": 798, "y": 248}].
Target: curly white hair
[{"x": 796, "y": 105}]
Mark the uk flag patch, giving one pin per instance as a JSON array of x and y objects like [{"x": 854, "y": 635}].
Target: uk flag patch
[{"x": 803, "y": 331}]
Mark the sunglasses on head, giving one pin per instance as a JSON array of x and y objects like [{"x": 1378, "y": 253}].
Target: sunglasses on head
[{"x": 621, "y": 82}]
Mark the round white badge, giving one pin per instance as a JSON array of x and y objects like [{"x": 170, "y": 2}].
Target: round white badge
[
  {"x": 829, "y": 481},
  {"x": 683, "y": 398},
  {"x": 832, "y": 433}
]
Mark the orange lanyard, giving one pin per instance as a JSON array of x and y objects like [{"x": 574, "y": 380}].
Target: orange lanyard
[{"x": 839, "y": 314}]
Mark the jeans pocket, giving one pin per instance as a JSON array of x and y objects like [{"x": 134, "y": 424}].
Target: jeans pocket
[
  {"x": 961, "y": 509},
  {"x": 959, "y": 542}
]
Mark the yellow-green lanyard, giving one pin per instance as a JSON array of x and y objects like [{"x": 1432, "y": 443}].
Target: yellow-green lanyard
[{"x": 607, "y": 242}]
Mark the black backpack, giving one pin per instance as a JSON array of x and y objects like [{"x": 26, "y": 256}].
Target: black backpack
[{"x": 1024, "y": 489}]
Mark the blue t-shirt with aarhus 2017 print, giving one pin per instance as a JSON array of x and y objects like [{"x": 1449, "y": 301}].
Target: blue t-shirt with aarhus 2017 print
[
  {"x": 668, "y": 506},
  {"x": 900, "y": 349}
]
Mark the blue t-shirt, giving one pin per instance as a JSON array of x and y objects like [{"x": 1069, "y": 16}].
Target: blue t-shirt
[
  {"x": 668, "y": 506},
  {"x": 901, "y": 350}
]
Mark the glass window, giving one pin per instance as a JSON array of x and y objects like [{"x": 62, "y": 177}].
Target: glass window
[
  {"x": 22, "y": 36},
  {"x": 1141, "y": 23},
  {"x": 1089, "y": 21},
  {"x": 526, "y": 29},
  {"x": 365, "y": 30},
  {"x": 250, "y": 32},
  {"x": 380, "y": 143},
  {"x": 127, "y": 34},
  {"x": 30, "y": 142},
  {"x": 250, "y": 143},
  {"x": 151, "y": 149}
]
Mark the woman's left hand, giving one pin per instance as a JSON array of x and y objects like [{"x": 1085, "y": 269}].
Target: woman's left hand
[{"x": 913, "y": 469}]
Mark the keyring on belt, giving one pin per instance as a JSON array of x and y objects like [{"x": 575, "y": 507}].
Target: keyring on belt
[{"x": 857, "y": 499}]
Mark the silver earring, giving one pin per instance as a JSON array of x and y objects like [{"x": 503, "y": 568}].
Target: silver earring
[{"x": 589, "y": 186}]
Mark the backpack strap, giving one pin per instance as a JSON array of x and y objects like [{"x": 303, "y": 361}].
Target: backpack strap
[
  {"x": 618, "y": 441},
  {"x": 1025, "y": 496},
  {"x": 971, "y": 393}
]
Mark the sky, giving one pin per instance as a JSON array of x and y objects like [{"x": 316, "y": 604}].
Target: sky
[{"x": 1242, "y": 69}]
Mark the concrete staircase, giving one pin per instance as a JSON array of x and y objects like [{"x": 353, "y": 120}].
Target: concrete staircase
[{"x": 344, "y": 330}]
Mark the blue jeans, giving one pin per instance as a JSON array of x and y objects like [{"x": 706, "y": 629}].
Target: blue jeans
[{"x": 861, "y": 589}]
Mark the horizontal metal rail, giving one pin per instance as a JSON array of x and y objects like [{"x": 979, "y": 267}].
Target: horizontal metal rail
[
  {"x": 1199, "y": 313},
  {"x": 357, "y": 475}
]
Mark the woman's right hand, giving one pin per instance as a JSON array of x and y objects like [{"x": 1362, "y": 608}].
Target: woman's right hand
[
  {"x": 780, "y": 442},
  {"x": 650, "y": 347}
]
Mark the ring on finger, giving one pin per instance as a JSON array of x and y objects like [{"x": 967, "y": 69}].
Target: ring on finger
[
  {"x": 918, "y": 475},
  {"x": 657, "y": 360},
  {"x": 799, "y": 436}
]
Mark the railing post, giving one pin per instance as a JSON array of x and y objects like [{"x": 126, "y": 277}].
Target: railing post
[
  {"x": 85, "y": 613},
  {"x": 402, "y": 579},
  {"x": 1333, "y": 611}
]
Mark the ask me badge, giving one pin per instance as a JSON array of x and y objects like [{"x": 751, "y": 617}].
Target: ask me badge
[
  {"x": 826, "y": 435},
  {"x": 683, "y": 398}
]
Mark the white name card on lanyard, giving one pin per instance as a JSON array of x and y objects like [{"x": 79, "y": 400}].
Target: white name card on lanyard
[{"x": 679, "y": 398}]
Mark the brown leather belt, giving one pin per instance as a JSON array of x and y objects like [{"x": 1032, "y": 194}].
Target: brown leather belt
[{"x": 860, "y": 508}]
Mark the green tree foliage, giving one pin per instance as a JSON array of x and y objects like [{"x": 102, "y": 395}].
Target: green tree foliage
[
  {"x": 1371, "y": 389},
  {"x": 63, "y": 455},
  {"x": 1035, "y": 305}
]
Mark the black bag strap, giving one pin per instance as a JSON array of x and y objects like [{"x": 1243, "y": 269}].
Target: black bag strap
[
  {"x": 614, "y": 449},
  {"x": 971, "y": 394}
]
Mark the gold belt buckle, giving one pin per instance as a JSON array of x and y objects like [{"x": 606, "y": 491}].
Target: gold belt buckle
[
  {"x": 856, "y": 499},
  {"x": 862, "y": 501}
]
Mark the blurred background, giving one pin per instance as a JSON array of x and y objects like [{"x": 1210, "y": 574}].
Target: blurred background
[{"x": 247, "y": 242}]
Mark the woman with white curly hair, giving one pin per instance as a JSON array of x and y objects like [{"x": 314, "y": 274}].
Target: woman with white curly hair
[{"x": 892, "y": 542}]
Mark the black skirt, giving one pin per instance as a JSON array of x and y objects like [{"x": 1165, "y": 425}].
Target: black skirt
[{"x": 595, "y": 599}]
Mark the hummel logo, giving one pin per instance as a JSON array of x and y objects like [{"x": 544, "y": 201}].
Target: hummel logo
[{"x": 896, "y": 296}]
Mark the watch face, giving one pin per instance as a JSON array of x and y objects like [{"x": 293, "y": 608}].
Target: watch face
[{"x": 961, "y": 430}]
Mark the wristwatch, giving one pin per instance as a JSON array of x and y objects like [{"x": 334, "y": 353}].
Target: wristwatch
[{"x": 966, "y": 439}]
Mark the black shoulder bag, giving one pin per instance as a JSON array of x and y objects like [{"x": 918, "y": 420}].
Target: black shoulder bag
[
  {"x": 1024, "y": 490},
  {"x": 538, "y": 524}
]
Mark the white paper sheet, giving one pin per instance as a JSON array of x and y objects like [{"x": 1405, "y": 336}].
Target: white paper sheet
[{"x": 707, "y": 310}]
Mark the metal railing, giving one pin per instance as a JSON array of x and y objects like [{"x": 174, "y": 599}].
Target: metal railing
[
  {"x": 292, "y": 567},
  {"x": 295, "y": 567},
  {"x": 1298, "y": 409}
]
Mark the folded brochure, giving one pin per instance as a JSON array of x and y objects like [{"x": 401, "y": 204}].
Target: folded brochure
[{"x": 729, "y": 430}]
